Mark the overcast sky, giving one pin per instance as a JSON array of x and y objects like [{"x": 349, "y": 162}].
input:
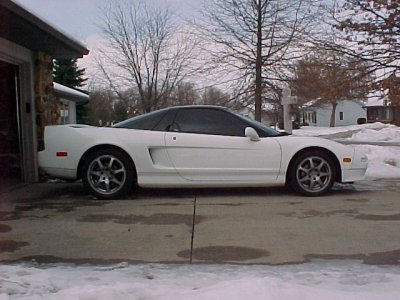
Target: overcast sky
[{"x": 80, "y": 18}]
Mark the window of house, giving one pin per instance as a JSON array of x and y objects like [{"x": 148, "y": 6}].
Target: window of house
[
  {"x": 341, "y": 116},
  {"x": 64, "y": 112}
]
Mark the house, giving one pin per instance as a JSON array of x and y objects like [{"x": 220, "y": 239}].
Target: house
[
  {"x": 68, "y": 99},
  {"x": 378, "y": 110},
  {"x": 379, "y": 113},
  {"x": 347, "y": 113},
  {"x": 28, "y": 103}
]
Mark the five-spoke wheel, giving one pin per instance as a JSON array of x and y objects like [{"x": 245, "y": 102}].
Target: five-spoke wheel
[{"x": 108, "y": 173}]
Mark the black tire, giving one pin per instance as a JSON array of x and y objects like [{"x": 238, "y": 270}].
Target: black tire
[
  {"x": 313, "y": 173},
  {"x": 108, "y": 173}
]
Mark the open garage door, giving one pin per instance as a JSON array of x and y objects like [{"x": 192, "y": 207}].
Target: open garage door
[{"x": 10, "y": 133}]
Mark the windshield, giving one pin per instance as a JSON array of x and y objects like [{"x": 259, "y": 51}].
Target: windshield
[{"x": 268, "y": 131}]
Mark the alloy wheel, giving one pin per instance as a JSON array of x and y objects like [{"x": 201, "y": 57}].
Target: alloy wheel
[
  {"x": 106, "y": 174},
  {"x": 314, "y": 174}
]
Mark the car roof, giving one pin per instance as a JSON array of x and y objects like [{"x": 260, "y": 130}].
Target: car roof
[{"x": 199, "y": 106}]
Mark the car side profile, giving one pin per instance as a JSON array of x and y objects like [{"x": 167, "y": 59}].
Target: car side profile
[{"x": 195, "y": 146}]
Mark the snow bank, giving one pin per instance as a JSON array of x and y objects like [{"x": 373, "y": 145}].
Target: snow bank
[
  {"x": 387, "y": 134},
  {"x": 321, "y": 131},
  {"x": 318, "y": 280},
  {"x": 383, "y": 161}
]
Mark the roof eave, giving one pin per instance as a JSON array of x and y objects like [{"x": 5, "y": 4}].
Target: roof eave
[{"x": 67, "y": 46}]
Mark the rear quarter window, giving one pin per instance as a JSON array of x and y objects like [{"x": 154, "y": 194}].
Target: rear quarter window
[{"x": 143, "y": 122}]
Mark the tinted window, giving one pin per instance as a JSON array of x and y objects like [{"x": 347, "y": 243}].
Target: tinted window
[
  {"x": 144, "y": 122},
  {"x": 263, "y": 130},
  {"x": 209, "y": 121},
  {"x": 166, "y": 121}
]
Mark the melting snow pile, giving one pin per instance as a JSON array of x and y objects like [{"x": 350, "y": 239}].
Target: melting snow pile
[
  {"x": 390, "y": 134},
  {"x": 321, "y": 131}
]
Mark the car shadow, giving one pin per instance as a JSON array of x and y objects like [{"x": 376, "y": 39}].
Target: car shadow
[{"x": 207, "y": 192}]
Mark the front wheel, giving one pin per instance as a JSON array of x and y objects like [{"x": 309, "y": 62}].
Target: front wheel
[
  {"x": 108, "y": 173},
  {"x": 313, "y": 173}
]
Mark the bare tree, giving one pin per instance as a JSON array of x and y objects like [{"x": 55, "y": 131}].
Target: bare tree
[
  {"x": 327, "y": 78},
  {"x": 145, "y": 51},
  {"x": 215, "y": 96},
  {"x": 374, "y": 27},
  {"x": 100, "y": 107},
  {"x": 252, "y": 39},
  {"x": 367, "y": 30},
  {"x": 184, "y": 94}
]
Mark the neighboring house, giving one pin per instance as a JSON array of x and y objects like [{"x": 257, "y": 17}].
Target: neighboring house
[
  {"x": 28, "y": 46},
  {"x": 347, "y": 113},
  {"x": 68, "y": 98},
  {"x": 378, "y": 110},
  {"x": 379, "y": 113}
]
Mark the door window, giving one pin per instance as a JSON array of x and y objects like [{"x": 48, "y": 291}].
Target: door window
[{"x": 209, "y": 121}]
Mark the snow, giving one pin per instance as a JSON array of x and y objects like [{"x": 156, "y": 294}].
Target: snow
[
  {"x": 383, "y": 161},
  {"x": 387, "y": 134},
  {"x": 321, "y": 131},
  {"x": 377, "y": 98},
  {"x": 326, "y": 280},
  {"x": 69, "y": 91}
]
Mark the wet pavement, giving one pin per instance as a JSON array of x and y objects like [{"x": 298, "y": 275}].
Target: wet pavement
[{"x": 58, "y": 222}]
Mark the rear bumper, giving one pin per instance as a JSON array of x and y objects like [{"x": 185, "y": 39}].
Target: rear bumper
[
  {"x": 60, "y": 173},
  {"x": 59, "y": 167}
]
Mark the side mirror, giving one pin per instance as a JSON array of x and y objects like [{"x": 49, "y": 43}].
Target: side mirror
[{"x": 252, "y": 134}]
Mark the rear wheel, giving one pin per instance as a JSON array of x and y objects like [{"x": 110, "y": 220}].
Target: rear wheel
[
  {"x": 313, "y": 173},
  {"x": 108, "y": 173}
]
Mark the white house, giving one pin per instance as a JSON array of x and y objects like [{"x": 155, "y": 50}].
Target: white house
[
  {"x": 69, "y": 98},
  {"x": 347, "y": 113}
]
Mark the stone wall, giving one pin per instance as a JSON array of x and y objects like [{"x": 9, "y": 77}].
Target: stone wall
[{"x": 48, "y": 107}]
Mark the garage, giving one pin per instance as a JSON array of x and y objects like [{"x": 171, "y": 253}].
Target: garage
[{"x": 28, "y": 102}]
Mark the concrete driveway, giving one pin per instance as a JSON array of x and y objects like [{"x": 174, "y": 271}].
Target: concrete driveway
[{"x": 58, "y": 222}]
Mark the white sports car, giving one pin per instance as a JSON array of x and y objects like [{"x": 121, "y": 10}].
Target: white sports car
[{"x": 195, "y": 146}]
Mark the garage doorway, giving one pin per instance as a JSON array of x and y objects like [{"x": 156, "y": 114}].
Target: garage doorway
[{"x": 10, "y": 129}]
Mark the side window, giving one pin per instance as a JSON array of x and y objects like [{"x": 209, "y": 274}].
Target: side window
[{"x": 209, "y": 121}]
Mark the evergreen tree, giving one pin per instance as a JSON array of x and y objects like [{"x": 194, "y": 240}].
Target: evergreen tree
[{"x": 67, "y": 72}]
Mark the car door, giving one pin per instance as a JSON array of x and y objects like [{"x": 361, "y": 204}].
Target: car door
[{"x": 208, "y": 144}]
